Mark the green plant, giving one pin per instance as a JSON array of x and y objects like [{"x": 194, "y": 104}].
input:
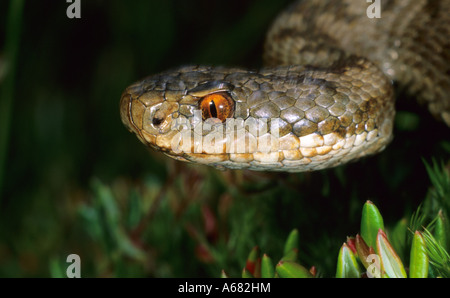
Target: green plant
[
  {"x": 287, "y": 267},
  {"x": 369, "y": 254}
]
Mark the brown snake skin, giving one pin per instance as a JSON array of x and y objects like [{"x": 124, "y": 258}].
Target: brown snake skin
[{"x": 324, "y": 98}]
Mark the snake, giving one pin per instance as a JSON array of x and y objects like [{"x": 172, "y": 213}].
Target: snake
[{"x": 324, "y": 97}]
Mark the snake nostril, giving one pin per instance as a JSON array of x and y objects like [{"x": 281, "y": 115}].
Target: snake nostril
[{"x": 157, "y": 121}]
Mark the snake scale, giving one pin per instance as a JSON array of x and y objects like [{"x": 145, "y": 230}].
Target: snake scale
[{"x": 324, "y": 97}]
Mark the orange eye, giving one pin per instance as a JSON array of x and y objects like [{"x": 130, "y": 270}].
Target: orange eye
[{"x": 216, "y": 105}]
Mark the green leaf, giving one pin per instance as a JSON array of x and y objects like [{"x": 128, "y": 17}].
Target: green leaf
[
  {"x": 374, "y": 267},
  {"x": 91, "y": 221},
  {"x": 105, "y": 202},
  {"x": 398, "y": 237},
  {"x": 292, "y": 270},
  {"x": 291, "y": 256},
  {"x": 129, "y": 248},
  {"x": 223, "y": 274},
  {"x": 363, "y": 251},
  {"x": 253, "y": 264},
  {"x": 439, "y": 257},
  {"x": 371, "y": 222},
  {"x": 351, "y": 243},
  {"x": 134, "y": 209},
  {"x": 391, "y": 264},
  {"x": 418, "y": 266},
  {"x": 267, "y": 267},
  {"x": 347, "y": 266},
  {"x": 440, "y": 179},
  {"x": 368, "y": 258},
  {"x": 57, "y": 268},
  {"x": 246, "y": 274},
  {"x": 291, "y": 242},
  {"x": 417, "y": 219},
  {"x": 441, "y": 230},
  {"x": 106, "y": 214}
]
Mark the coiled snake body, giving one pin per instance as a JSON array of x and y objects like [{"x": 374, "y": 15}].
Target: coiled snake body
[{"x": 325, "y": 96}]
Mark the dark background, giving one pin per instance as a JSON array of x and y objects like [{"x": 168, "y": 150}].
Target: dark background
[{"x": 76, "y": 181}]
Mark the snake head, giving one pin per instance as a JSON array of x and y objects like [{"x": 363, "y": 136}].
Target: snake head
[
  {"x": 162, "y": 109},
  {"x": 277, "y": 119}
]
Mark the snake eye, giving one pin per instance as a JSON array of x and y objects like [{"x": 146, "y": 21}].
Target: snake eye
[{"x": 217, "y": 105}]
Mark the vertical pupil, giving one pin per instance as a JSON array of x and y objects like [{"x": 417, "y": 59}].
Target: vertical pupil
[{"x": 213, "y": 109}]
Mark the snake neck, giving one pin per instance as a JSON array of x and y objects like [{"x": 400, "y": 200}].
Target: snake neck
[{"x": 408, "y": 43}]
